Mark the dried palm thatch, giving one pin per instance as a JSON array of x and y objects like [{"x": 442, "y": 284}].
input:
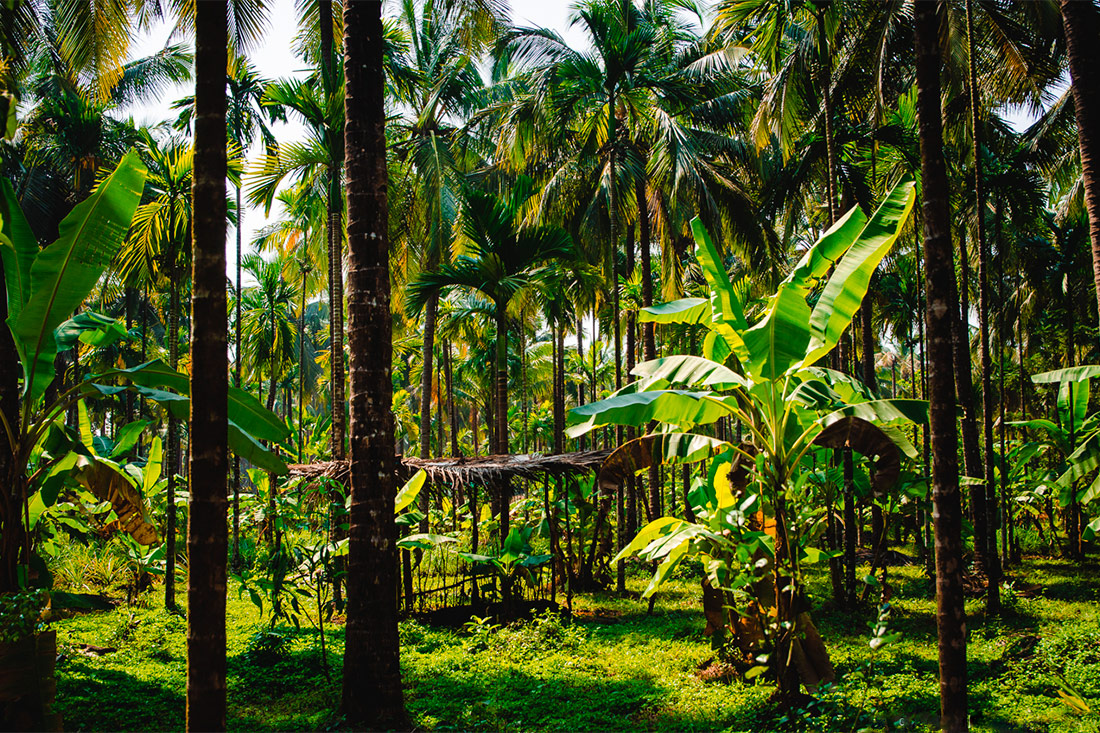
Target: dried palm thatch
[{"x": 479, "y": 470}]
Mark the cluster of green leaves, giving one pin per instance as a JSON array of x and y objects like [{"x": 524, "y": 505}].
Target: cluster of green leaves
[{"x": 766, "y": 376}]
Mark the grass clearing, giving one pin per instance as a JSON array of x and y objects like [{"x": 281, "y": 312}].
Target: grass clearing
[{"x": 614, "y": 668}]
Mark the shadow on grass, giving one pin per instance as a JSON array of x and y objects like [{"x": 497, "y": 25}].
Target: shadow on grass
[
  {"x": 508, "y": 699},
  {"x": 95, "y": 697}
]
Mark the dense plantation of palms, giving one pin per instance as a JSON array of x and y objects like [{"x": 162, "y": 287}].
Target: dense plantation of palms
[{"x": 483, "y": 375}]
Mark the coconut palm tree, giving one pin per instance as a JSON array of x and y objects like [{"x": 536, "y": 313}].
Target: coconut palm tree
[
  {"x": 940, "y": 278},
  {"x": 372, "y": 696}
]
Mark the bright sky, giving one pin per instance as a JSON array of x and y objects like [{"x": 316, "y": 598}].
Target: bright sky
[{"x": 274, "y": 60}]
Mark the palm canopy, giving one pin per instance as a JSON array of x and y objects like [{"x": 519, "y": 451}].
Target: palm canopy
[{"x": 501, "y": 257}]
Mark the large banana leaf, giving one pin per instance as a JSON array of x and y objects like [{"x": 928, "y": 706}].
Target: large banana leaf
[
  {"x": 1073, "y": 403},
  {"x": 244, "y": 409},
  {"x": 657, "y": 449},
  {"x": 689, "y": 311},
  {"x": 673, "y": 407},
  {"x": 726, "y": 309},
  {"x": 778, "y": 342},
  {"x": 829, "y": 248},
  {"x": 883, "y": 412},
  {"x": 109, "y": 482},
  {"x": 242, "y": 441},
  {"x": 1070, "y": 374},
  {"x": 848, "y": 284},
  {"x": 690, "y": 370},
  {"x": 90, "y": 328},
  {"x": 18, "y": 249},
  {"x": 65, "y": 272}
]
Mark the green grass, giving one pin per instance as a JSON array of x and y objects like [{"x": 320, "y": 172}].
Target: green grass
[{"x": 614, "y": 669}]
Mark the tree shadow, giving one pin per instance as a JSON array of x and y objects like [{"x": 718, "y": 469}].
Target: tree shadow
[
  {"x": 95, "y": 697},
  {"x": 506, "y": 699}
]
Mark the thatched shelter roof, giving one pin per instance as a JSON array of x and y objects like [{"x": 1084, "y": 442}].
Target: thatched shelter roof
[{"x": 480, "y": 470}]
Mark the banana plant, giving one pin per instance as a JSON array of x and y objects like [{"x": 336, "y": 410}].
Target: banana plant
[
  {"x": 755, "y": 524},
  {"x": 44, "y": 287},
  {"x": 1075, "y": 438}
]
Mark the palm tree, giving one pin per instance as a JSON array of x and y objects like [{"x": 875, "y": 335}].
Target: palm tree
[
  {"x": 269, "y": 337},
  {"x": 245, "y": 122},
  {"x": 501, "y": 259},
  {"x": 155, "y": 253},
  {"x": 372, "y": 695},
  {"x": 941, "y": 289},
  {"x": 321, "y": 155},
  {"x": 206, "y": 527},
  {"x": 1082, "y": 25}
]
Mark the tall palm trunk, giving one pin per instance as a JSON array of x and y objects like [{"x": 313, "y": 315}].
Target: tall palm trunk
[
  {"x": 173, "y": 457},
  {"x": 237, "y": 363},
  {"x": 426, "y": 364},
  {"x": 941, "y": 298},
  {"x": 503, "y": 488},
  {"x": 335, "y": 236},
  {"x": 964, "y": 389},
  {"x": 372, "y": 695},
  {"x": 1082, "y": 27},
  {"x": 985, "y": 537},
  {"x": 206, "y": 530},
  {"x": 649, "y": 346},
  {"x": 451, "y": 414}
]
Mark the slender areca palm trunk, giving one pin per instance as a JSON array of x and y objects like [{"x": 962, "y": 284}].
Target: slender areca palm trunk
[
  {"x": 206, "y": 530},
  {"x": 237, "y": 362},
  {"x": 985, "y": 537},
  {"x": 372, "y": 695},
  {"x": 503, "y": 488},
  {"x": 941, "y": 309},
  {"x": 173, "y": 457},
  {"x": 1082, "y": 26}
]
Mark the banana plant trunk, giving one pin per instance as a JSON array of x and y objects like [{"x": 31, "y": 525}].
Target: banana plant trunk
[
  {"x": 209, "y": 461},
  {"x": 372, "y": 695},
  {"x": 941, "y": 309},
  {"x": 11, "y": 491}
]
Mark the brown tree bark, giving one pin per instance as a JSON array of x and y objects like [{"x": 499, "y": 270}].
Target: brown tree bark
[
  {"x": 372, "y": 694},
  {"x": 1081, "y": 22},
  {"x": 985, "y": 512},
  {"x": 941, "y": 310},
  {"x": 207, "y": 536}
]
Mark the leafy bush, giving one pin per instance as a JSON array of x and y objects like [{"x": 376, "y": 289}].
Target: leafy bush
[
  {"x": 544, "y": 633},
  {"x": 267, "y": 647},
  {"x": 19, "y": 613}
]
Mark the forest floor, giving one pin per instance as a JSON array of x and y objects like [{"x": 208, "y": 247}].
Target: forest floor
[{"x": 613, "y": 668}]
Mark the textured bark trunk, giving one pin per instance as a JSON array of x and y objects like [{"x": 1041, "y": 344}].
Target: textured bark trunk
[
  {"x": 985, "y": 537},
  {"x": 208, "y": 428},
  {"x": 237, "y": 364},
  {"x": 559, "y": 397},
  {"x": 372, "y": 694},
  {"x": 173, "y": 458},
  {"x": 878, "y": 520},
  {"x": 452, "y": 416},
  {"x": 427, "y": 354},
  {"x": 1082, "y": 27},
  {"x": 941, "y": 309},
  {"x": 972, "y": 453},
  {"x": 502, "y": 488}
]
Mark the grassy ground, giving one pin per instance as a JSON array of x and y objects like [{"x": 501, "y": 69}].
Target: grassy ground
[{"x": 615, "y": 668}]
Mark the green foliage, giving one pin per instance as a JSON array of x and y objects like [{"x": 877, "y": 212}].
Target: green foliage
[{"x": 20, "y": 613}]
